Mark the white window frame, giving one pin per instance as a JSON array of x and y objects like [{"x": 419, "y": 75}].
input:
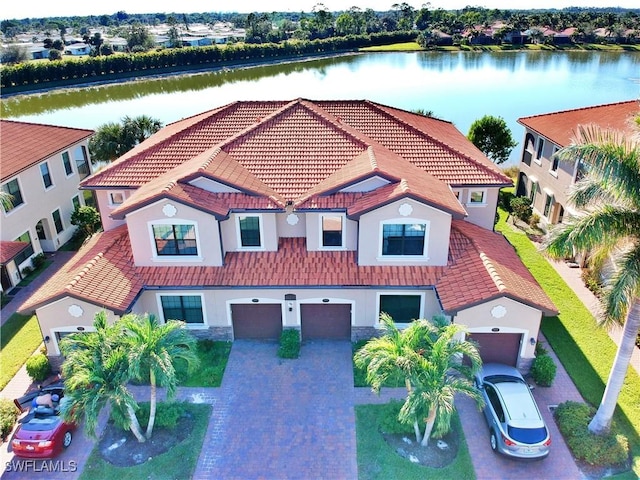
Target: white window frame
[
  {"x": 173, "y": 258},
  {"x": 404, "y": 258},
  {"x": 55, "y": 229},
  {"x": 539, "y": 153},
  {"x": 73, "y": 207},
  {"x": 24, "y": 200},
  {"x": 70, "y": 163},
  {"x": 343, "y": 219},
  {"x": 261, "y": 228},
  {"x": 110, "y": 194},
  {"x": 483, "y": 192},
  {"x": 53, "y": 184},
  {"x": 191, "y": 326},
  {"x": 413, "y": 293}
]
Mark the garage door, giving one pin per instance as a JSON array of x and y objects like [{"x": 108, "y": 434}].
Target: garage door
[
  {"x": 259, "y": 321},
  {"x": 322, "y": 321},
  {"x": 498, "y": 347}
]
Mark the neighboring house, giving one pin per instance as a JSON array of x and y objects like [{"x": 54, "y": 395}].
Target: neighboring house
[
  {"x": 313, "y": 215},
  {"x": 545, "y": 179},
  {"x": 42, "y": 166},
  {"x": 77, "y": 49}
]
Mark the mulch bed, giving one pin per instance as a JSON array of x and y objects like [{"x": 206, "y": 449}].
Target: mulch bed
[
  {"x": 122, "y": 449},
  {"x": 430, "y": 456}
]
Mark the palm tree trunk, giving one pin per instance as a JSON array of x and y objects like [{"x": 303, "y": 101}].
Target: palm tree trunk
[
  {"x": 135, "y": 425},
  {"x": 601, "y": 422},
  {"x": 152, "y": 403},
  {"x": 416, "y": 426},
  {"x": 429, "y": 422}
]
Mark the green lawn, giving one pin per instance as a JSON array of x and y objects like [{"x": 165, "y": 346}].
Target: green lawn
[
  {"x": 396, "y": 47},
  {"x": 378, "y": 460},
  {"x": 585, "y": 350},
  {"x": 34, "y": 274},
  {"x": 19, "y": 337},
  {"x": 177, "y": 463}
]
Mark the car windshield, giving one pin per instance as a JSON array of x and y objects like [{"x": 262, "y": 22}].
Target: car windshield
[
  {"x": 41, "y": 424},
  {"x": 528, "y": 435}
]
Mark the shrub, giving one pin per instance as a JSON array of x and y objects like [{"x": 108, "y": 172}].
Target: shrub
[
  {"x": 504, "y": 199},
  {"x": 389, "y": 422},
  {"x": 543, "y": 370},
  {"x": 26, "y": 271},
  {"x": 602, "y": 450},
  {"x": 289, "y": 343},
  {"x": 38, "y": 260},
  {"x": 8, "y": 416},
  {"x": 534, "y": 220},
  {"x": 521, "y": 208},
  {"x": 167, "y": 414},
  {"x": 38, "y": 367}
]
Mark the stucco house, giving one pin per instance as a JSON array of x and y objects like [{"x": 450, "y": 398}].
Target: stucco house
[
  {"x": 545, "y": 179},
  {"x": 42, "y": 166},
  {"x": 314, "y": 215}
]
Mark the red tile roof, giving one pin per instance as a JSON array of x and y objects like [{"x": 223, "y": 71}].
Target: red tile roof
[
  {"x": 23, "y": 144},
  {"x": 292, "y": 146},
  {"x": 482, "y": 265},
  {"x": 8, "y": 250},
  {"x": 561, "y": 127}
]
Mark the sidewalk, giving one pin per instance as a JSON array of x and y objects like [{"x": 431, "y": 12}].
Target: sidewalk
[{"x": 572, "y": 276}]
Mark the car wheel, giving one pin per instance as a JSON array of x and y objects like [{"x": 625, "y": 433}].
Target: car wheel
[
  {"x": 66, "y": 440},
  {"x": 493, "y": 439}
]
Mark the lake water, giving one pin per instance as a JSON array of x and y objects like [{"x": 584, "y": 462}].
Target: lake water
[{"x": 460, "y": 87}]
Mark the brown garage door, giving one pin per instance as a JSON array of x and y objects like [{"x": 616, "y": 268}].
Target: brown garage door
[
  {"x": 498, "y": 347},
  {"x": 259, "y": 321},
  {"x": 325, "y": 321}
]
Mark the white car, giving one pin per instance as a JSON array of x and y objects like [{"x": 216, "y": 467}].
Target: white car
[{"x": 516, "y": 427}]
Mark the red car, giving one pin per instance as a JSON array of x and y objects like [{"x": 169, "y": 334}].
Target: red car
[{"x": 41, "y": 433}]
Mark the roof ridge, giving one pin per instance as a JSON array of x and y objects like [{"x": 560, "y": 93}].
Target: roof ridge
[
  {"x": 588, "y": 107},
  {"x": 38, "y": 124},
  {"x": 446, "y": 146},
  {"x": 491, "y": 269},
  {"x": 87, "y": 267},
  {"x": 372, "y": 158}
]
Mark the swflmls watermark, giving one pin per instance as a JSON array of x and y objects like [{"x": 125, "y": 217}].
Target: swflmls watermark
[{"x": 40, "y": 466}]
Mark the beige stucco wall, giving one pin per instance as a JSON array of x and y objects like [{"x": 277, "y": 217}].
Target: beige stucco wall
[
  {"x": 517, "y": 318},
  {"x": 66, "y": 315},
  {"x": 285, "y": 228},
  {"x": 484, "y": 214},
  {"x": 40, "y": 203},
  {"x": 370, "y": 234},
  {"x": 207, "y": 234},
  {"x": 106, "y": 207}
]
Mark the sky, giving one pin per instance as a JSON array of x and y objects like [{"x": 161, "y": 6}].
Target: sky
[{"x": 46, "y": 8}]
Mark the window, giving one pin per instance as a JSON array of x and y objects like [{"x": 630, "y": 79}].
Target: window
[
  {"x": 539, "y": 149},
  {"x": 403, "y": 239},
  {"x": 82, "y": 163},
  {"x": 495, "y": 401},
  {"x": 13, "y": 189},
  {"x": 66, "y": 162},
  {"x": 187, "y": 308},
  {"x": 532, "y": 193},
  {"x": 332, "y": 227},
  {"x": 249, "y": 231},
  {"x": 477, "y": 197},
  {"x": 555, "y": 161},
  {"x": 26, "y": 253},
  {"x": 547, "y": 204},
  {"x": 57, "y": 221},
  {"x": 175, "y": 239},
  {"x": 401, "y": 308},
  {"x": 116, "y": 198},
  {"x": 561, "y": 214},
  {"x": 76, "y": 202},
  {"x": 46, "y": 175}
]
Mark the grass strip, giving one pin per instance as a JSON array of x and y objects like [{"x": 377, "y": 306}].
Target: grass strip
[
  {"x": 20, "y": 336},
  {"x": 585, "y": 349}
]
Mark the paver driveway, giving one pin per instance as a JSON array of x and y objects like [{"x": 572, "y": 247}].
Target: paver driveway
[{"x": 277, "y": 418}]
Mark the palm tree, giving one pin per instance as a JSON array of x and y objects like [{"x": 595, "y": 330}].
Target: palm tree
[
  {"x": 104, "y": 145},
  {"x": 6, "y": 200},
  {"x": 439, "y": 375},
  {"x": 96, "y": 374},
  {"x": 137, "y": 129},
  {"x": 609, "y": 197},
  {"x": 152, "y": 350}
]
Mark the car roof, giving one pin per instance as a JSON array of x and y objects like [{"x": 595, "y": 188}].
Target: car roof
[
  {"x": 519, "y": 404},
  {"x": 491, "y": 369}
]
